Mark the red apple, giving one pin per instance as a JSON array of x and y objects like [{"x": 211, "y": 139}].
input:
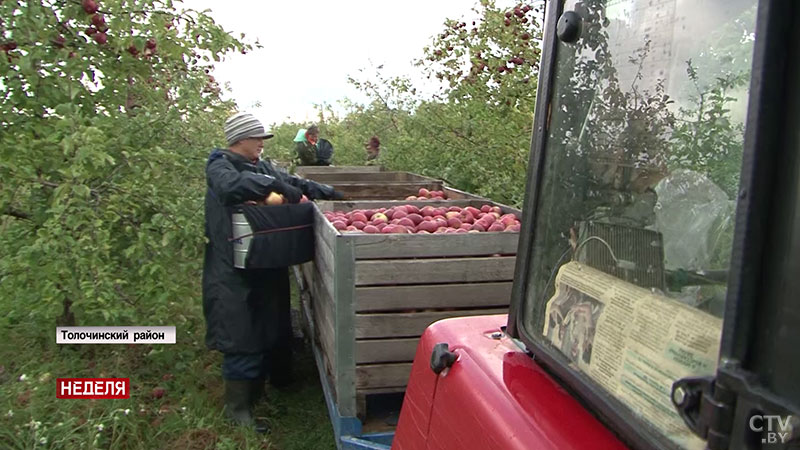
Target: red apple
[
  {"x": 497, "y": 226},
  {"x": 100, "y": 37},
  {"x": 466, "y": 226},
  {"x": 399, "y": 213},
  {"x": 454, "y": 208},
  {"x": 424, "y": 192},
  {"x": 428, "y": 211},
  {"x": 406, "y": 222},
  {"x": 508, "y": 219},
  {"x": 339, "y": 225},
  {"x": 359, "y": 224},
  {"x": 473, "y": 211},
  {"x": 411, "y": 209},
  {"x": 486, "y": 208},
  {"x": 158, "y": 392},
  {"x": 99, "y": 21},
  {"x": 477, "y": 227},
  {"x": 451, "y": 214},
  {"x": 429, "y": 226},
  {"x": 388, "y": 229},
  {"x": 89, "y": 6},
  {"x": 461, "y": 230},
  {"x": 359, "y": 217},
  {"x": 415, "y": 218},
  {"x": 411, "y": 197},
  {"x": 453, "y": 222},
  {"x": 371, "y": 229}
]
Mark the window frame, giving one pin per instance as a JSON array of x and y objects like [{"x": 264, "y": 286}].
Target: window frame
[{"x": 764, "y": 126}]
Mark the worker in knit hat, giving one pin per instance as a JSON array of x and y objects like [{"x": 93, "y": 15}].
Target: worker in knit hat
[{"x": 247, "y": 311}]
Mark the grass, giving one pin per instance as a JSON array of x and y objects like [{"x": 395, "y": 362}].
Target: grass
[{"x": 188, "y": 416}]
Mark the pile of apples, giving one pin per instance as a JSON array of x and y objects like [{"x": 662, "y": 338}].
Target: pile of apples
[
  {"x": 425, "y": 220},
  {"x": 425, "y": 194}
]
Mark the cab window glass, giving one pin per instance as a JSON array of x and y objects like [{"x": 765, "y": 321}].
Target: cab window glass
[{"x": 634, "y": 223}]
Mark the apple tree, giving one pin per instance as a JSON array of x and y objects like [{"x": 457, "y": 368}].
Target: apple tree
[
  {"x": 108, "y": 113},
  {"x": 475, "y": 131}
]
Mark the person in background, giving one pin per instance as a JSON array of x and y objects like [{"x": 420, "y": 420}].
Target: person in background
[
  {"x": 373, "y": 148},
  {"x": 311, "y": 150},
  {"x": 247, "y": 311}
]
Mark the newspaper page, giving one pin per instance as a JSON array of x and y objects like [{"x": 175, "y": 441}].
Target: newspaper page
[{"x": 633, "y": 342}]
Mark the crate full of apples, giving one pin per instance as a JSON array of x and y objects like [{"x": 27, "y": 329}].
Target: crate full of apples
[{"x": 430, "y": 219}]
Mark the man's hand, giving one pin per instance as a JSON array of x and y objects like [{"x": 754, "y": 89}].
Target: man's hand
[
  {"x": 337, "y": 195},
  {"x": 291, "y": 193}
]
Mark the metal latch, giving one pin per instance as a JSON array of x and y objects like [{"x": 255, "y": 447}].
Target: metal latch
[
  {"x": 707, "y": 408},
  {"x": 442, "y": 357}
]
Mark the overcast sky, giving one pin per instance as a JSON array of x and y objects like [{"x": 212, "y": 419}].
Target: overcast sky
[{"x": 310, "y": 48}]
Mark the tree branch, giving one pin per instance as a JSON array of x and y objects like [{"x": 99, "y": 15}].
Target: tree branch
[{"x": 8, "y": 211}]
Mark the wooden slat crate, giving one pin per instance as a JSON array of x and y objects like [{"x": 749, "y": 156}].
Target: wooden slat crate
[
  {"x": 303, "y": 171},
  {"x": 372, "y": 295},
  {"x": 380, "y": 185}
]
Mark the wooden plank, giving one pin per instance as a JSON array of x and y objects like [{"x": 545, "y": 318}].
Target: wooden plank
[
  {"x": 324, "y": 232},
  {"x": 374, "y": 376},
  {"x": 304, "y": 170},
  {"x": 444, "y": 270},
  {"x": 367, "y": 177},
  {"x": 344, "y": 298},
  {"x": 324, "y": 318},
  {"x": 381, "y": 190},
  {"x": 385, "y": 246},
  {"x": 456, "y": 194},
  {"x": 395, "y": 325},
  {"x": 308, "y": 314},
  {"x": 325, "y": 335},
  {"x": 386, "y": 390},
  {"x": 467, "y": 295},
  {"x": 385, "y": 350},
  {"x": 324, "y": 264},
  {"x": 349, "y": 205}
]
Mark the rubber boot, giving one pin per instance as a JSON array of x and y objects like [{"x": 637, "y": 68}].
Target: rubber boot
[
  {"x": 257, "y": 391},
  {"x": 238, "y": 405}
]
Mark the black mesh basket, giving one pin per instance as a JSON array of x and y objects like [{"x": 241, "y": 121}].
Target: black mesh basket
[{"x": 282, "y": 235}]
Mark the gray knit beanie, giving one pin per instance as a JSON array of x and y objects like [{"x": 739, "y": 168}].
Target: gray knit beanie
[{"x": 242, "y": 126}]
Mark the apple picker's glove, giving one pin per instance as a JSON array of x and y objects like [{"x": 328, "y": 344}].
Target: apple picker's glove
[{"x": 291, "y": 193}]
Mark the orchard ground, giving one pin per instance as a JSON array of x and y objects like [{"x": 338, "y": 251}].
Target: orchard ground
[{"x": 176, "y": 396}]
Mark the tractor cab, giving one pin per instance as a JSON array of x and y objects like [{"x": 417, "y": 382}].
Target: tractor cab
[{"x": 656, "y": 298}]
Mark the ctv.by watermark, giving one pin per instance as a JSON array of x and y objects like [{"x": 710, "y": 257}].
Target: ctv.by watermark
[{"x": 775, "y": 429}]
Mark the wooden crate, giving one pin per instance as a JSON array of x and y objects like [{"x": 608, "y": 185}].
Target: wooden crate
[
  {"x": 379, "y": 190},
  {"x": 372, "y": 295},
  {"x": 303, "y": 171}
]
